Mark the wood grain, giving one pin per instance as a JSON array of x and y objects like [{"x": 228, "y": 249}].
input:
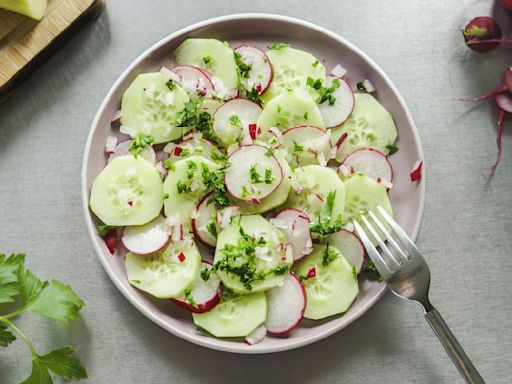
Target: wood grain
[{"x": 24, "y": 42}]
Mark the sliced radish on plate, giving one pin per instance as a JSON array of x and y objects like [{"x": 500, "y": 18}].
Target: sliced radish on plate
[
  {"x": 260, "y": 74},
  {"x": 253, "y": 175},
  {"x": 147, "y": 238},
  {"x": 205, "y": 293},
  {"x": 204, "y": 223},
  {"x": 123, "y": 149},
  {"x": 295, "y": 225},
  {"x": 337, "y": 113},
  {"x": 256, "y": 336},
  {"x": 350, "y": 247},
  {"x": 233, "y": 119},
  {"x": 196, "y": 146},
  {"x": 304, "y": 145},
  {"x": 286, "y": 305},
  {"x": 194, "y": 80},
  {"x": 369, "y": 161}
]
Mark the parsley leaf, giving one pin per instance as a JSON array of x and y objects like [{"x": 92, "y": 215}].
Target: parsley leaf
[
  {"x": 325, "y": 224},
  {"x": 391, "y": 148},
  {"x": 330, "y": 254},
  {"x": 171, "y": 85},
  {"x": 325, "y": 93},
  {"x": 103, "y": 229},
  {"x": 59, "y": 362},
  {"x": 9, "y": 288},
  {"x": 182, "y": 187},
  {"x": 360, "y": 87},
  {"x": 212, "y": 228},
  {"x": 269, "y": 177},
  {"x": 6, "y": 336},
  {"x": 243, "y": 69},
  {"x": 251, "y": 94},
  {"x": 214, "y": 182},
  {"x": 278, "y": 46},
  {"x": 235, "y": 121},
  {"x": 297, "y": 149},
  {"x": 140, "y": 142},
  {"x": 370, "y": 271},
  {"x": 255, "y": 176},
  {"x": 207, "y": 59}
]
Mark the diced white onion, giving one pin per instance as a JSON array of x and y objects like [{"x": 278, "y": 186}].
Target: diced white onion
[
  {"x": 344, "y": 170},
  {"x": 172, "y": 220},
  {"x": 170, "y": 74},
  {"x": 368, "y": 85},
  {"x": 321, "y": 159},
  {"x": 338, "y": 71},
  {"x": 279, "y": 223},
  {"x": 117, "y": 116},
  {"x": 169, "y": 147},
  {"x": 110, "y": 144}
]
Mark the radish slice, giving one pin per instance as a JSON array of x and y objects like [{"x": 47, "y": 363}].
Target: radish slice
[
  {"x": 194, "y": 80},
  {"x": 256, "y": 336},
  {"x": 350, "y": 247},
  {"x": 504, "y": 101},
  {"x": 416, "y": 171},
  {"x": 260, "y": 74},
  {"x": 232, "y": 120},
  {"x": 340, "y": 111},
  {"x": 369, "y": 161},
  {"x": 295, "y": 226},
  {"x": 204, "y": 295},
  {"x": 286, "y": 305},
  {"x": 147, "y": 238},
  {"x": 123, "y": 149},
  {"x": 201, "y": 224},
  {"x": 304, "y": 143},
  {"x": 196, "y": 146},
  {"x": 252, "y": 175}
]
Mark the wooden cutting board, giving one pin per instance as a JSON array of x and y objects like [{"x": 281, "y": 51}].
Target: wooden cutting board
[{"x": 25, "y": 43}]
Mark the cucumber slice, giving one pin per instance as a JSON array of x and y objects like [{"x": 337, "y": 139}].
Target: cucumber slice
[
  {"x": 318, "y": 182},
  {"x": 151, "y": 107},
  {"x": 292, "y": 67},
  {"x": 234, "y": 317},
  {"x": 330, "y": 289},
  {"x": 369, "y": 126},
  {"x": 127, "y": 192},
  {"x": 185, "y": 188},
  {"x": 165, "y": 274},
  {"x": 364, "y": 193},
  {"x": 214, "y": 56},
  {"x": 276, "y": 198},
  {"x": 306, "y": 145},
  {"x": 32, "y": 8},
  {"x": 289, "y": 109},
  {"x": 250, "y": 255}
]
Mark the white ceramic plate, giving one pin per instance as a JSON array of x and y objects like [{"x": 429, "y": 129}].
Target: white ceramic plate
[{"x": 260, "y": 30}]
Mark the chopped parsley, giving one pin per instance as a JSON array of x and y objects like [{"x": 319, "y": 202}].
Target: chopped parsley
[
  {"x": 139, "y": 143},
  {"x": 165, "y": 196},
  {"x": 315, "y": 63},
  {"x": 243, "y": 69},
  {"x": 183, "y": 187},
  {"x": 245, "y": 192},
  {"x": 188, "y": 297},
  {"x": 205, "y": 274},
  {"x": 297, "y": 149},
  {"x": 207, "y": 59},
  {"x": 269, "y": 177},
  {"x": 325, "y": 93},
  {"x": 306, "y": 114},
  {"x": 201, "y": 121},
  {"x": 270, "y": 152},
  {"x": 252, "y": 94},
  {"x": 278, "y": 46},
  {"x": 216, "y": 155},
  {"x": 212, "y": 229},
  {"x": 360, "y": 87},
  {"x": 330, "y": 254},
  {"x": 235, "y": 121},
  {"x": 322, "y": 225},
  {"x": 169, "y": 165},
  {"x": 214, "y": 182},
  {"x": 103, "y": 229},
  {"x": 370, "y": 271},
  {"x": 171, "y": 85},
  {"x": 391, "y": 148},
  {"x": 185, "y": 152},
  {"x": 192, "y": 168}
]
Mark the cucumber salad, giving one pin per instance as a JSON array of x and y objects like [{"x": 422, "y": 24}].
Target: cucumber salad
[{"x": 233, "y": 180}]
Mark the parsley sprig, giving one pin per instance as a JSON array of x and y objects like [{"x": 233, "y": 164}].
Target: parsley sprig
[
  {"x": 324, "y": 224},
  {"x": 140, "y": 142},
  {"x": 325, "y": 93},
  {"x": 50, "y": 299}
]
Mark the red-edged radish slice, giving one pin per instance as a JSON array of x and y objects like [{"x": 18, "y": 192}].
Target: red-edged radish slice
[
  {"x": 194, "y": 80},
  {"x": 147, "y": 238},
  {"x": 340, "y": 111},
  {"x": 416, "y": 171},
  {"x": 123, "y": 148},
  {"x": 286, "y": 305},
  {"x": 369, "y": 161},
  {"x": 201, "y": 223},
  {"x": 504, "y": 101},
  {"x": 221, "y": 91},
  {"x": 305, "y": 143},
  {"x": 196, "y": 146},
  {"x": 248, "y": 164},
  {"x": 350, "y": 247},
  {"x": 205, "y": 293},
  {"x": 295, "y": 225},
  {"x": 232, "y": 120},
  {"x": 256, "y": 336},
  {"x": 260, "y": 74}
]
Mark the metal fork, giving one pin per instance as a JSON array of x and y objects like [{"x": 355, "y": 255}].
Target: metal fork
[{"x": 408, "y": 277}]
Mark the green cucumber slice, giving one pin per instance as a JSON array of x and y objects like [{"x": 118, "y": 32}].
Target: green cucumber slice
[
  {"x": 369, "y": 126},
  {"x": 289, "y": 109},
  {"x": 292, "y": 67},
  {"x": 128, "y": 191},
  {"x": 330, "y": 289},
  {"x": 234, "y": 317},
  {"x": 214, "y": 56},
  {"x": 151, "y": 107},
  {"x": 317, "y": 182},
  {"x": 276, "y": 198},
  {"x": 166, "y": 274},
  {"x": 244, "y": 266},
  {"x": 185, "y": 176},
  {"x": 364, "y": 193}
]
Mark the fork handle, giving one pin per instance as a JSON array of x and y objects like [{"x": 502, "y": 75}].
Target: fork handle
[{"x": 453, "y": 348}]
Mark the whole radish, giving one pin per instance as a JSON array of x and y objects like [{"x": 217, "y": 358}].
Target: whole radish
[
  {"x": 480, "y": 29},
  {"x": 507, "y": 4}
]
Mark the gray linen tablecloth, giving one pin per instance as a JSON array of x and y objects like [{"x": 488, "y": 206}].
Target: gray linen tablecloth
[{"x": 466, "y": 232}]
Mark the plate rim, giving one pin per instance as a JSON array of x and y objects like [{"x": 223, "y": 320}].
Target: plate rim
[{"x": 210, "y": 342}]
